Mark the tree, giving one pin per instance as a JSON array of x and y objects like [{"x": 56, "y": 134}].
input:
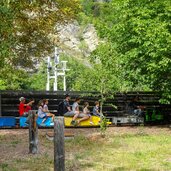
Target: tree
[
  {"x": 104, "y": 74},
  {"x": 143, "y": 39},
  {"x": 140, "y": 32},
  {"x": 27, "y": 28}
]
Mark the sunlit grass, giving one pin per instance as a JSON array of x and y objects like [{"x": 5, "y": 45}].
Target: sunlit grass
[{"x": 126, "y": 152}]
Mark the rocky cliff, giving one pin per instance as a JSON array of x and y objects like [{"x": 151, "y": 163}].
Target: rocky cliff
[{"x": 77, "y": 41}]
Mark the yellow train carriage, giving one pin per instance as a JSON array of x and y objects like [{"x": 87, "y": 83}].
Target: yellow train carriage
[{"x": 85, "y": 123}]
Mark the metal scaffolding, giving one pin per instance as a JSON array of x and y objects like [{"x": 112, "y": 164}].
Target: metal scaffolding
[{"x": 56, "y": 71}]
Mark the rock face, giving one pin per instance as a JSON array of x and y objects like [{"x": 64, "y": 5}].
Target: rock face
[
  {"x": 76, "y": 40},
  {"x": 90, "y": 37}
]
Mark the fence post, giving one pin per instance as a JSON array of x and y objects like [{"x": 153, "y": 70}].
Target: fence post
[
  {"x": 59, "y": 149},
  {"x": 33, "y": 133}
]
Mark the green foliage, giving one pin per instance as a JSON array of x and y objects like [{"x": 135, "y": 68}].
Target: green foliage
[
  {"x": 103, "y": 126},
  {"x": 76, "y": 69},
  {"x": 140, "y": 34},
  {"x": 100, "y": 76},
  {"x": 12, "y": 78},
  {"x": 104, "y": 74},
  {"x": 143, "y": 42},
  {"x": 2, "y": 85},
  {"x": 37, "y": 81},
  {"x": 26, "y": 33}
]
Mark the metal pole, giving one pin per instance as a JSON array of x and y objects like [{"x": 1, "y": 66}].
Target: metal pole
[
  {"x": 59, "y": 149},
  {"x": 64, "y": 77},
  {"x": 56, "y": 60},
  {"x": 48, "y": 75},
  {"x": 48, "y": 83},
  {"x": 64, "y": 81},
  {"x": 55, "y": 85}
]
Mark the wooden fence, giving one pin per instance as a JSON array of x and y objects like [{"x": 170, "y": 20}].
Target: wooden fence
[{"x": 116, "y": 106}]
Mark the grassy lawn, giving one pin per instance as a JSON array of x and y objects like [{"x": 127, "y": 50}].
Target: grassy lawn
[{"x": 123, "y": 148}]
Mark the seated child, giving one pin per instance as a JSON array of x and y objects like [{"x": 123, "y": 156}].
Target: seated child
[
  {"x": 96, "y": 109},
  {"x": 87, "y": 111},
  {"x": 43, "y": 111},
  {"x": 78, "y": 113}
]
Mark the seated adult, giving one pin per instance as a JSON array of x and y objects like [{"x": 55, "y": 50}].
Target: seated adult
[
  {"x": 135, "y": 107},
  {"x": 23, "y": 107},
  {"x": 67, "y": 109},
  {"x": 72, "y": 113}
]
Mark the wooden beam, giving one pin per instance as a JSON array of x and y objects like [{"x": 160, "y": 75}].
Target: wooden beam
[
  {"x": 59, "y": 148},
  {"x": 33, "y": 133}
]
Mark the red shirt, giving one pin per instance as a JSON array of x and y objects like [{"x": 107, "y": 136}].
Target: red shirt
[
  {"x": 27, "y": 108},
  {"x": 21, "y": 108}
]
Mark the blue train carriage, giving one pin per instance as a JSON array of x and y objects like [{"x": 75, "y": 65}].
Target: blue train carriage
[
  {"x": 47, "y": 123},
  {"x": 7, "y": 122}
]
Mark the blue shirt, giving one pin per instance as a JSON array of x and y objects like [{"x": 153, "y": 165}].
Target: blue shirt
[{"x": 96, "y": 110}]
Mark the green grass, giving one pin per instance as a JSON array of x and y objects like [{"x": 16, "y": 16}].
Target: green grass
[
  {"x": 116, "y": 152},
  {"x": 125, "y": 152}
]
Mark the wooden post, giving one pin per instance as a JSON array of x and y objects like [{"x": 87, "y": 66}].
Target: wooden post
[
  {"x": 33, "y": 133},
  {"x": 59, "y": 150}
]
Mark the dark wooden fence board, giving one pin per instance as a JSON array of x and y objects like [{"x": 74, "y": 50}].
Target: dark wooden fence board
[{"x": 10, "y": 101}]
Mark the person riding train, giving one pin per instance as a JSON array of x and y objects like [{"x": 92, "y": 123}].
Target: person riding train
[
  {"x": 65, "y": 109},
  {"x": 24, "y": 108},
  {"x": 135, "y": 107},
  {"x": 43, "y": 111},
  {"x": 80, "y": 114},
  {"x": 96, "y": 110}
]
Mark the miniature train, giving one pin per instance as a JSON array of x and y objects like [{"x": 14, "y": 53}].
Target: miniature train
[
  {"x": 12, "y": 122},
  {"x": 149, "y": 118}
]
